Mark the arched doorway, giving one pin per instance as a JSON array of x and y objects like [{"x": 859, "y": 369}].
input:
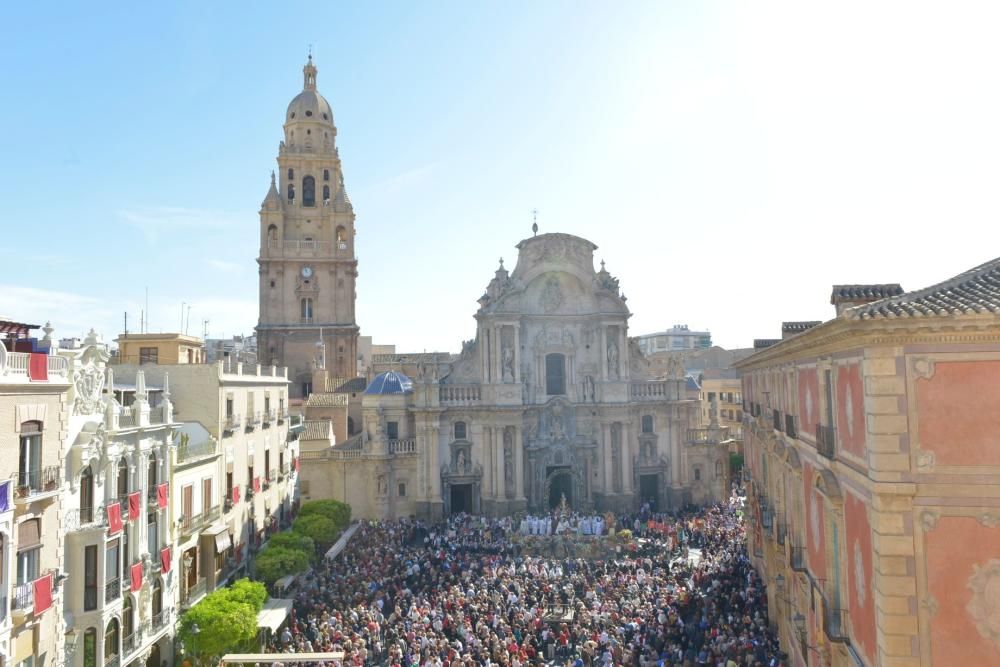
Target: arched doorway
[
  {"x": 154, "y": 657},
  {"x": 559, "y": 485}
]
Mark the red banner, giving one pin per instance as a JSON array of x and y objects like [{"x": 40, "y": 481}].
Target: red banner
[
  {"x": 161, "y": 496},
  {"x": 42, "y": 588},
  {"x": 38, "y": 367},
  {"x": 136, "y": 577},
  {"x": 165, "y": 560},
  {"x": 256, "y": 484},
  {"x": 296, "y": 463},
  {"x": 134, "y": 506},
  {"x": 114, "y": 518},
  {"x": 236, "y": 494}
]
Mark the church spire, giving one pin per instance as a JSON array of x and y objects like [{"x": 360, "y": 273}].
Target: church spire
[{"x": 309, "y": 75}]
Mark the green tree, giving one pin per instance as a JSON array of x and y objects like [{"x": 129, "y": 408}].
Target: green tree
[
  {"x": 246, "y": 591},
  {"x": 273, "y": 563},
  {"x": 294, "y": 541},
  {"x": 320, "y": 529},
  {"x": 336, "y": 511},
  {"x": 224, "y": 626}
]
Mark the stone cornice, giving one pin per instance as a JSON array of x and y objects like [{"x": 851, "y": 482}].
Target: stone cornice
[{"x": 842, "y": 334}]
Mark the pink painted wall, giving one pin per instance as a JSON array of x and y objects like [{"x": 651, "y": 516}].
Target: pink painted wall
[
  {"x": 859, "y": 576},
  {"x": 851, "y": 410},
  {"x": 808, "y": 401},
  {"x": 959, "y": 412}
]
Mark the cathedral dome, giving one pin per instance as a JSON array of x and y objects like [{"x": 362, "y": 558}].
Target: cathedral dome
[
  {"x": 309, "y": 105},
  {"x": 390, "y": 382}
]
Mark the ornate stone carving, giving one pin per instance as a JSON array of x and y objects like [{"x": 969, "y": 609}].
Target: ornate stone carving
[
  {"x": 552, "y": 296},
  {"x": 923, "y": 367},
  {"x": 508, "y": 461},
  {"x": 984, "y": 607},
  {"x": 507, "y": 355},
  {"x": 929, "y": 519},
  {"x": 613, "y": 372},
  {"x": 860, "y": 580},
  {"x": 88, "y": 378},
  {"x": 925, "y": 460},
  {"x": 588, "y": 389}
]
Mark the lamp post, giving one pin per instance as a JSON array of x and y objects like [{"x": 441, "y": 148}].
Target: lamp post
[{"x": 195, "y": 630}]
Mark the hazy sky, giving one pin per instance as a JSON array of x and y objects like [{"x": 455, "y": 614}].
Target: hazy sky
[{"x": 731, "y": 160}]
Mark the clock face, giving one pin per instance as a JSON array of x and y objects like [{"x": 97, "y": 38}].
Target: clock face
[{"x": 307, "y": 271}]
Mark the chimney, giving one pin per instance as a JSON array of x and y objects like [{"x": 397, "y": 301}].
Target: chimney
[{"x": 848, "y": 296}]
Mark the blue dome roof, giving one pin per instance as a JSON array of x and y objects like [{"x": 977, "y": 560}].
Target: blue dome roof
[{"x": 390, "y": 382}]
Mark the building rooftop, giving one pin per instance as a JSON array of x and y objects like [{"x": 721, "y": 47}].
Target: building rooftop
[
  {"x": 326, "y": 400},
  {"x": 390, "y": 382},
  {"x": 976, "y": 291},
  {"x": 352, "y": 386},
  {"x": 761, "y": 343},
  {"x": 798, "y": 327},
  {"x": 857, "y": 292}
]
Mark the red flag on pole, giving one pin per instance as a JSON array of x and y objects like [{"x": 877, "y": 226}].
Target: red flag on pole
[
  {"x": 161, "y": 496},
  {"x": 296, "y": 463},
  {"x": 134, "y": 506},
  {"x": 256, "y": 484},
  {"x": 136, "y": 577},
  {"x": 114, "y": 518},
  {"x": 42, "y": 589},
  {"x": 165, "y": 560},
  {"x": 236, "y": 494}
]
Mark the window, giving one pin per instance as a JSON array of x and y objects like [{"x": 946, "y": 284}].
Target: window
[
  {"x": 152, "y": 532},
  {"x": 267, "y": 403},
  {"x": 90, "y": 577},
  {"x": 555, "y": 374},
  {"x": 326, "y": 193},
  {"x": 157, "y": 599},
  {"x": 308, "y": 191},
  {"x": 272, "y": 234},
  {"x": 267, "y": 463},
  {"x": 149, "y": 355},
  {"x": 111, "y": 567},
  {"x": 86, "y": 496},
  {"x": 291, "y": 192},
  {"x": 459, "y": 430},
  {"x": 90, "y": 648},
  {"x": 718, "y": 469},
  {"x": 152, "y": 478},
  {"x": 29, "y": 544},
  {"x": 291, "y": 174},
  {"x": 229, "y": 406},
  {"x": 187, "y": 503},
  {"x": 122, "y": 479},
  {"x": 350, "y": 426},
  {"x": 392, "y": 430},
  {"x": 306, "y": 309},
  {"x": 697, "y": 474},
  {"x": 128, "y": 618},
  {"x": 30, "y": 457},
  {"x": 401, "y": 490},
  {"x": 111, "y": 640},
  {"x": 647, "y": 423},
  {"x": 206, "y": 494},
  {"x": 711, "y": 396},
  {"x": 326, "y": 172}
]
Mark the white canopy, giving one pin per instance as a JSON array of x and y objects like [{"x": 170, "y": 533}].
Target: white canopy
[
  {"x": 335, "y": 550},
  {"x": 274, "y": 613}
]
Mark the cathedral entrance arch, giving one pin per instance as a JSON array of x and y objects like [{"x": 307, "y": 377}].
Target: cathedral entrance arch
[
  {"x": 461, "y": 499},
  {"x": 559, "y": 483}
]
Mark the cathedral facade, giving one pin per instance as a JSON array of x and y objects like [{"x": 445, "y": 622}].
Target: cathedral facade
[
  {"x": 306, "y": 263},
  {"x": 551, "y": 402}
]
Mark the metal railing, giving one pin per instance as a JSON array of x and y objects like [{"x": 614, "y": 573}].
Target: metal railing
[
  {"x": 198, "y": 450},
  {"x": 191, "y": 523},
  {"x": 29, "y": 483},
  {"x": 194, "y": 592},
  {"x": 112, "y": 661},
  {"x": 791, "y": 426},
  {"x": 826, "y": 441},
  {"x": 85, "y": 518},
  {"x": 158, "y": 621},
  {"x": 23, "y": 596},
  {"x": 112, "y": 589},
  {"x": 231, "y": 424},
  {"x": 797, "y": 559},
  {"x": 130, "y": 643},
  {"x": 834, "y": 623}
]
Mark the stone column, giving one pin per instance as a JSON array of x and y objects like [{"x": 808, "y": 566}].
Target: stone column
[
  {"x": 623, "y": 360},
  {"x": 435, "y": 466},
  {"x": 604, "y": 352},
  {"x": 627, "y": 457},
  {"x": 517, "y": 354},
  {"x": 608, "y": 476},
  {"x": 499, "y": 491},
  {"x": 497, "y": 347},
  {"x": 518, "y": 465}
]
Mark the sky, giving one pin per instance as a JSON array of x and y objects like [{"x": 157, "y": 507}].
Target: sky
[{"x": 731, "y": 161}]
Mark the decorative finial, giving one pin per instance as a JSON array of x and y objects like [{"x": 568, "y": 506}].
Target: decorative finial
[
  {"x": 602, "y": 265},
  {"x": 310, "y": 52},
  {"x": 534, "y": 221},
  {"x": 501, "y": 262},
  {"x": 272, "y": 177}
]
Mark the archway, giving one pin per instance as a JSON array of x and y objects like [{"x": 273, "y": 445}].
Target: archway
[{"x": 559, "y": 484}]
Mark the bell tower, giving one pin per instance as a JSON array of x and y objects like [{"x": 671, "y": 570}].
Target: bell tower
[{"x": 306, "y": 263}]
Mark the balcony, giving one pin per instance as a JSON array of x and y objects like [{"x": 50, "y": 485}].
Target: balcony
[
  {"x": 18, "y": 367},
  {"x": 191, "y": 452},
  {"x": 112, "y": 589},
  {"x": 270, "y": 416},
  {"x": 130, "y": 643},
  {"x": 112, "y": 661},
  {"x": 456, "y": 394},
  {"x": 86, "y": 518},
  {"x": 23, "y": 598},
  {"x": 655, "y": 390},
  {"x": 32, "y": 485},
  {"x": 776, "y": 420},
  {"x": 231, "y": 424},
  {"x": 826, "y": 441},
  {"x": 782, "y": 532},
  {"x": 253, "y": 421},
  {"x": 158, "y": 621},
  {"x": 194, "y": 593},
  {"x": 835, "y": 623},
  {"x": 195, "y": 522},
  {"x": 791, "y": 427},
  {"x": 403, "y": 446}
]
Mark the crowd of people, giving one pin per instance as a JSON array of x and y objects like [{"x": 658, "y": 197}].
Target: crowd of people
[{"x": 463, "y": 593}]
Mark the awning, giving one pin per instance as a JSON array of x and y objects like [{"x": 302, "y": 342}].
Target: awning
[
  {"x": 221, "y": 536},
  {"x": 284, "y": 582},
  {"x": 274, "y": 613}
]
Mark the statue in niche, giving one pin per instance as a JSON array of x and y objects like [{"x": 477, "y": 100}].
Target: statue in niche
[
  {"x": 588, "y": 389},
  {"x": 382, "y": 485},
  {"x": 647, "y": 451},
  {"x": 613, "y": 359},
  {"x": 507, "y": 361},
  {"x": 461, "y": 460}
]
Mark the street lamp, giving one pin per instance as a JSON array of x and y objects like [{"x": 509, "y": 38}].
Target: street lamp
[{"x": 195, "y": 630}]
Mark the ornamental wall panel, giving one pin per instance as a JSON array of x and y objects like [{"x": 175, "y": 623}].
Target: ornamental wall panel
[
  {"x": 851, "y": 413},
  {"x": 962, "y": 600},
  {"x": 815, "y": 523},
  {"x": 859, "y": 576},
  {"x": 958, "y": 405},
  {"x": 809, "y": 407}
]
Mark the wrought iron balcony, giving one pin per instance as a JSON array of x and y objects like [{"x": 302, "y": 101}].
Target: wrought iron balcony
[
  {"x": 797, "y": 559},
  {"x": 231, "y": 424},
  {"x": 194, "y": 593},
  {"x": 826, "y": 441},
  {"x": 35, "y": 484},
  {"x": 112, "y": 589},
  {"x": 776, "y": 420},
  {"x": 835, "y": 623},
  {"x": 23, "y": 597},
  {"x": 791, "y": 426}
]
